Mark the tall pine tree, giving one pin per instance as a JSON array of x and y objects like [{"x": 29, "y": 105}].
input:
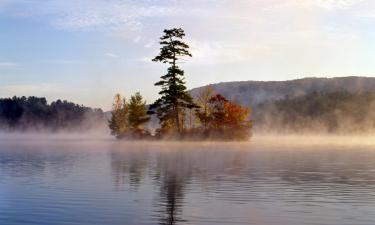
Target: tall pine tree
[{"x": 174, "y": 96}]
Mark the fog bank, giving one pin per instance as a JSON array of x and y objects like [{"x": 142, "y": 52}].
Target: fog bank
[{"x": 256, "y": 142}]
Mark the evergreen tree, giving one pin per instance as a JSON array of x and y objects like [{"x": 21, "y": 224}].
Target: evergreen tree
[
  {"x": 137, "y": 111},
  {"x": 174, "y": 96},
  {"x": 119, "y": 118}
]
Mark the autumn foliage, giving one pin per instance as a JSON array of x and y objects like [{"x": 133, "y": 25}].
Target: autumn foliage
[
  {"x": 209, "y": 116},
  {"x": 224, "y": 120}
]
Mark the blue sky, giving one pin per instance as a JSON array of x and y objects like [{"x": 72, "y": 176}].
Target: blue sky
[{"x": 88, "y": 50}]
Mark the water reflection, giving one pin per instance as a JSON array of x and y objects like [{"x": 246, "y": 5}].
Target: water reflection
[
  {"x": 243, "y": 176},
  {"x": 27, "y": 160},
  {"x": 154, "y": 183},
  {"x": 171, "y": 171},
  {"x": 128, "y": 167}
]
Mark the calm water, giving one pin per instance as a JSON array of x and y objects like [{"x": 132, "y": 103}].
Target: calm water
[{"x": 106, "y": 182}]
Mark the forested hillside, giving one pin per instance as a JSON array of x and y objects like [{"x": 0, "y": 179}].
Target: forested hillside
[
  {"x": 332, "y": 112},
  {"x": 251, "y": 93},
  {"x": 34, "y": 113}
]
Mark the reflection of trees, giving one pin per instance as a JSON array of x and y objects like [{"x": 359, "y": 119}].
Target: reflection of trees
[
  {"x": 173, "y": 172},
  {"x": 170, "y": 172},
  {"x": 128, "y": 166},
  {"x": 171, "y": 200},
  {"x": 175, "y": 169},
  {"x": 239, "y": 176}
]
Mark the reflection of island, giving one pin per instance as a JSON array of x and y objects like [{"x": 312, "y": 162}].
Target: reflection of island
[
  {"x": 128, "y": 167},
  {"x": 171, "y": 171},
  {"x": 171, "y": 194},
  {"x": 236, "y": 175}
]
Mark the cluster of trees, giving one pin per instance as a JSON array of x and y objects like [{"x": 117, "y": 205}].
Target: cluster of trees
[
  {"x": 332, "y": 112},
  {"x": 210, "y": 116},
  {"x": 221, "y": 118},
  {"x": 127, "y": 117},
  {"x": 25, "y": 113}
]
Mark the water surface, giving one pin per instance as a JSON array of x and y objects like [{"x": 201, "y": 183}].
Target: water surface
[{"x": 107, "y": 182}]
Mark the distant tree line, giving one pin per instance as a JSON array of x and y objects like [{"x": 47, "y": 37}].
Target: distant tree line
[
  {"x": 34, "y": 113},
  {"x": 333, "y": 112},
  {"x": 210, "y": 116}
]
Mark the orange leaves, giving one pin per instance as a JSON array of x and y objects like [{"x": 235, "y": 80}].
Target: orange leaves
[
  {"x": 226, "y": 114},
  {"x": 234, "y": 115}
]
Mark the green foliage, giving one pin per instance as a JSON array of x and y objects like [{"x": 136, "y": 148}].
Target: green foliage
[
  {"x": 174, "y": 99},
  {"x": 172, "y": 46},
  {"x": 128, "y": 117},
  {"x": 137, "y": 111},
  {"x": 175, "y": 108},
  {"x": 119, "y": 117}
]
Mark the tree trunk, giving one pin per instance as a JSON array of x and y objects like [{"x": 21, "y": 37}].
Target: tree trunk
[{"x": 177, "y": 118}]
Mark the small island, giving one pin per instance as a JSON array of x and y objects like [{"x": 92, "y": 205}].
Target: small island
[{"x": 209, "y": 116}]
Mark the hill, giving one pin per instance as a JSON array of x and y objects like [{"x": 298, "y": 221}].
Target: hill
[
  {"x": 332, "y": 112},
  {"x": 251, "y": 93}
]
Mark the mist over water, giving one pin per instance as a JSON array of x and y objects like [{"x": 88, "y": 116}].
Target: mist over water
[
  {"x": 46, "y": 136},
  {"x": 268, "y": 180}
]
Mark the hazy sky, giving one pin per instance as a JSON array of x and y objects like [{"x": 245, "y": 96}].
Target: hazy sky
[{"x": 87, "y": 50}]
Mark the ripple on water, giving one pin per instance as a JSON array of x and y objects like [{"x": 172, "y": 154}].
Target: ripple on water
[{"x": 107, "y": 183}]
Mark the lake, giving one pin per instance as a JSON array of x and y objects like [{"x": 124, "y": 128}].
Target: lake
[{"x": 262, "y": 182}]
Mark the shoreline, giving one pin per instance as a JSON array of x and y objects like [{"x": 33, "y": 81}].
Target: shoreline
[{"x": 255, "y": 141}]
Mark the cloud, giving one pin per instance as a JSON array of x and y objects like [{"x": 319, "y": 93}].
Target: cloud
[
  {"x": 215, "y": 52},
  {"x": 221, "y": 31},
  {"x": 135, "y": 19},
  {"x": 95, "y": 14},
  {"x": 7, "y": 65},
  {"x": 111, "y": 55},
  {"x": 337, "y": 4}
]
